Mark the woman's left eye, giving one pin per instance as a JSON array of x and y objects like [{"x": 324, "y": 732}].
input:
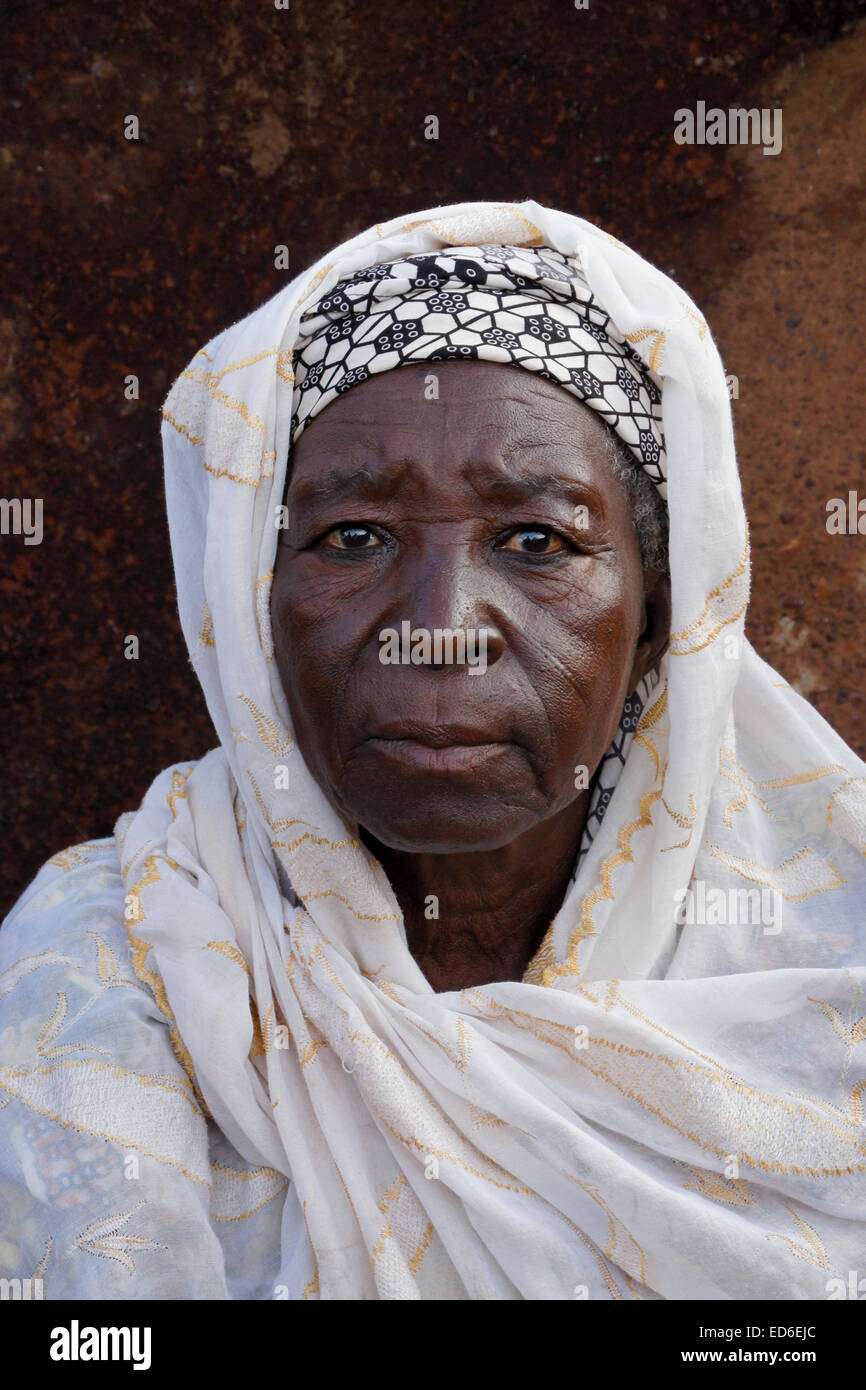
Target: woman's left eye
[
  {"x": 535, "y": 540},
  {"x": 352, "y": 536}
]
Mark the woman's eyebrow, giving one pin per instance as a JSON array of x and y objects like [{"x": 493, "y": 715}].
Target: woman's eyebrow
[
  {"x": 356, "y": 482},
  {"x": 502, "y": 483},
  {"x": 495, "y": 485}
]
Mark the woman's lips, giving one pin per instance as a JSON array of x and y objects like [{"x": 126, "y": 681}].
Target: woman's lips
[
  {"x": 443, "y": 733},
  {"x": 442, "y": 757}
]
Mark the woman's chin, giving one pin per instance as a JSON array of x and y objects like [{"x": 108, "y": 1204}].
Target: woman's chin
[
  {"x": 447, "y": 828},
  {"x": 441, "y": 800}
]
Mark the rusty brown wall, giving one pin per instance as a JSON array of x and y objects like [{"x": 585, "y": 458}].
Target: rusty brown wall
[{"x": 261, "y": 126}]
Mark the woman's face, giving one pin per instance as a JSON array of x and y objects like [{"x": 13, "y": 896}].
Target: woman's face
[{"x": 491, "y": 506}]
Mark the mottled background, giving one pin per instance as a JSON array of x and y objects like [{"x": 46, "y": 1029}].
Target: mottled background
[{"x": 302, "y": 126}]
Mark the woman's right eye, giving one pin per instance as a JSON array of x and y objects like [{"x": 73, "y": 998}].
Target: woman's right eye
[{"x": 351, "y": 536}]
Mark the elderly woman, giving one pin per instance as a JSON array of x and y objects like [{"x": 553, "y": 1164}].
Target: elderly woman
[{"x": 510, "y": 944}]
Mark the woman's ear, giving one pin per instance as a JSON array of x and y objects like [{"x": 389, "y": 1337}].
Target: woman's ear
[{"x": 653, "y": 641}]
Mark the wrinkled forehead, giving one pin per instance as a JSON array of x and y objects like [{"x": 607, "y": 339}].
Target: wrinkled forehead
[
  {"x": 485, "y": 440},
  {"x": 453, "y": 412}
]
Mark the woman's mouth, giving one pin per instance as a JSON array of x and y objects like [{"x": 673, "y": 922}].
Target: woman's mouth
[{"x": 440, "y": 750}]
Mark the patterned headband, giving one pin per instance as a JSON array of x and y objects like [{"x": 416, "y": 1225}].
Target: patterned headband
[{"x": 531, "y": 307}]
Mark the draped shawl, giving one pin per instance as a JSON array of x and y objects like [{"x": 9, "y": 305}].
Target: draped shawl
[{"x": 223, "y": 1073}]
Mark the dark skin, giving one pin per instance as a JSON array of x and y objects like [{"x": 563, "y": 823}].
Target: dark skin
[{"x": 456, "y": 513}]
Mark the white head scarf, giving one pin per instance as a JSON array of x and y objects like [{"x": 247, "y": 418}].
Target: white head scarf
[{"x": 657, "y": 1110}]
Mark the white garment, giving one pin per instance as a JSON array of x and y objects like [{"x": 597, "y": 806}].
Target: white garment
[{"x": 655, "y": 1111}]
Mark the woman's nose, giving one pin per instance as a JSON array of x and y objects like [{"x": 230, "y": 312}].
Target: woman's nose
[{"x": 453, "y": 593}]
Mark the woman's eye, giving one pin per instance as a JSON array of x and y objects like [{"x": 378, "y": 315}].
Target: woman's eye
[
  {"x": 351, "y": 536},
  {"x": 535, "y": 540}
]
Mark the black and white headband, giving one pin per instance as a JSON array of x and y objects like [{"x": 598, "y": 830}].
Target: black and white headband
[{"x": 531, "y": 307}]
